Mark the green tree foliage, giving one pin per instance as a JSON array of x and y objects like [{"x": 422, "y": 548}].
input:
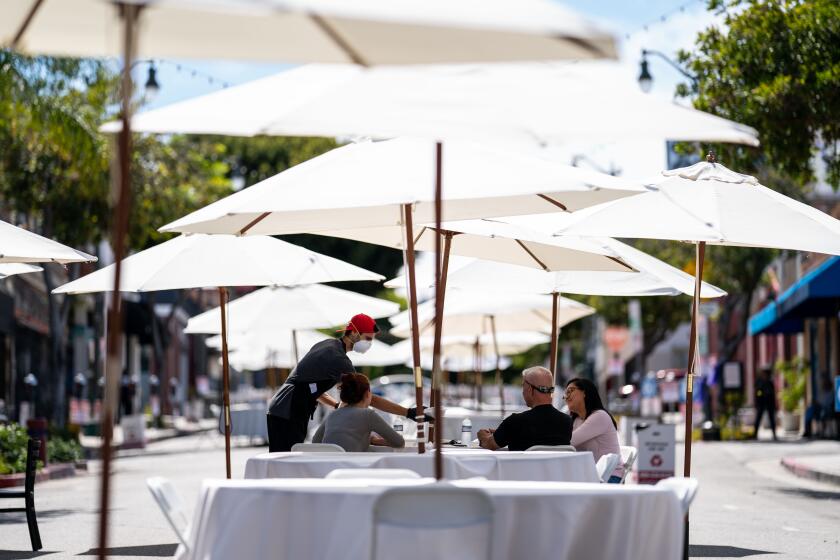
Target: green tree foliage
[
  {"x": 54, "y": 173},
  {"x": 774, "y": 65}
]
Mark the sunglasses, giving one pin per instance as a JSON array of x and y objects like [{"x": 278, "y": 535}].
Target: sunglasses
[
  {"x": 569, "y": 390},
  {"x": 541, "y": 388}
]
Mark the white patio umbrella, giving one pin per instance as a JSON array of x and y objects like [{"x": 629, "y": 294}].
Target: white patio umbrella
[
  {"x": 11, "y": 269},
  {"x": 387, "y": 183},
  {"x": 468, "y": 313},
  {"x": 372, "y": 32},
  {"x": 509, "y": 343},
  {"x": 708, "y": 203},
  {"x": 520, "y": 104},
  {"x": 219, "y": 261},
  {"x": 364, "y": 32},
  {"x": 369, "y": 184},
  {"x": 262, "y": 350},
  {"x": 274, "y": 309},
  {"x": 282, "y": 349},
  {"x": 18, "y": 245}
]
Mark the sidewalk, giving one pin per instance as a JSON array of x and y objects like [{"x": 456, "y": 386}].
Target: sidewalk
[
  {"x": 182, "y": 428},
  {"x": 825, "y": 468}
]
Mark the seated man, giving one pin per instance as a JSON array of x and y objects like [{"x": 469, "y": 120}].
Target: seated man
[{"x": 541, "y": 425}]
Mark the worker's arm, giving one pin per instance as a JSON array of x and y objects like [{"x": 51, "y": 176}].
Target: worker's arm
[
  {"x": 327, "y": 400},
  {"x": 387, "y": 406}
]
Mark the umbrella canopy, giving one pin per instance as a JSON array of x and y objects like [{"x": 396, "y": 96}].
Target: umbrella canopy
[
  {"x": 200, "y": 261},
  {"x": 502, "y": 242},
  {"x": 523, "y": 103},
  {"x": 463, "y": 346},
  {"x": 261, "y": 350},
  {"x": 255, "y": 351},
  {"x": 468, "y": 313},
  {"x": 18, "y": 245},
  {"x": 10, "y": 269},
  {"x": 654, "y": 277},
  {"x": 707, "y": 202},
  {"x": 363, "y": 31},
  {"x": 275, "y": 309},
  {"x": 367, "y": 184}
]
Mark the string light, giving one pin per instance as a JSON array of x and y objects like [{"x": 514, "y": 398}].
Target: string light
[
  {"x": 181, "y": 69},
  {"x": 663, "y": 18}
]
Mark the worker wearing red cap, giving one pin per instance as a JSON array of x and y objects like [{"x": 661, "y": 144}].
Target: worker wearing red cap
[{"x": 294, "y": 403}]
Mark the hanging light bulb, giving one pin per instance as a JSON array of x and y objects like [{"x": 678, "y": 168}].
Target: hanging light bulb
[
  {"x": 152, "y": 86},
  {"x": 645, "y": 79}
]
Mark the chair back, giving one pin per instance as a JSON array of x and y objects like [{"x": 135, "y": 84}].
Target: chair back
[
  {"x": 318, "y": 447},
  {"x": 171, "y": 505},
  {"x": 684, "y": 488},
  {"x": 628, "y": 458},
  {"x": 435, "y": 521},
  {"x": 372, "y": 473},
  {"x": 606, "y": 465},
  {"x": 552, "y": 448},
  {"x": 33, "y": 449}
]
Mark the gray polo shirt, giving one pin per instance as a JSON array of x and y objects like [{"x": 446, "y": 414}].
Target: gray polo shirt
[{"x": 316, "y": 373}]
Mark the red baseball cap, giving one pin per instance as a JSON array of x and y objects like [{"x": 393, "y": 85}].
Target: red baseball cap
[{"x": 362, "y": 324}]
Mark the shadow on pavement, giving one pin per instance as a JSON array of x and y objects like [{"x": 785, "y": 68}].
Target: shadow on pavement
[
  {"x": 21, "y": 554},
  {"x": 719, "y": 551},
  {"x": 12, "y": 518},
  {"x": 162, "y": 550},
  {"x": 806, "y": 493}
]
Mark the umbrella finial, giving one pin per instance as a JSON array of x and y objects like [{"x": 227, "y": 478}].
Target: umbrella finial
[{"x": 711, "y": 157}]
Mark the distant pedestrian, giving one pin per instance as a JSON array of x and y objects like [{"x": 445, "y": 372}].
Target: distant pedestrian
[{"x": 765, "y": 401}]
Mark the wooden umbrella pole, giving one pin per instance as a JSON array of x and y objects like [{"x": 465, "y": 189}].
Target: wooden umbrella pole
[
  {"x": 119, "y": 232},
  {"x": 555, "y": 303},
  {"x": 440, "y": 294},
  {"x": 408, "y": 222},
  {"x": 499, "y": 383},
  {"x": 225, "y": 379},
  {"x": 689, "y": 381},
  {"x": 477, "y": 364}
]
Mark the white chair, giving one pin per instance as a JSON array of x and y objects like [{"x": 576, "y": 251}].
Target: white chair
[
  {"x": 171, "y": 505},
  {"x": 430, "y": 522},
  {"x": 606, "y": 465},
  {"x": 684, "y": 488},
  {"x": 372, "y": 473},
  {"x": 318, "y": 448},
  {"x": 552, "y": 448},
  {"x": 628, "y": 458}
]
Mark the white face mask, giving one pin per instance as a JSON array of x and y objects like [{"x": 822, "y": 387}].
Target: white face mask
[{"x": 362, "y": 346}]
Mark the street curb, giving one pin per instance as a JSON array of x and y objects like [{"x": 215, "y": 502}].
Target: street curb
[
  {"x": 93, "y": 451},
  {"x": 805, "y": 471},
  {"x": 51, "y": 472}
]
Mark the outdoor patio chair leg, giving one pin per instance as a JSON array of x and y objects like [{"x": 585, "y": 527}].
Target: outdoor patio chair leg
[{"x": 32, "y": 521}]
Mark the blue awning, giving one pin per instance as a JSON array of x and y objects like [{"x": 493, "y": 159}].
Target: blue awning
[{"x": 817, "y": 294}]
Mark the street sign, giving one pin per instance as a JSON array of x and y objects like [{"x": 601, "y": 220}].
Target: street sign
[{"x": 656, "y": 448}]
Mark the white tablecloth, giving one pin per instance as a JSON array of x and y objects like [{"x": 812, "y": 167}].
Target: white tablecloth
[
  {"x": 309, "y": 518},
  {"x": 457, "y": 464}
]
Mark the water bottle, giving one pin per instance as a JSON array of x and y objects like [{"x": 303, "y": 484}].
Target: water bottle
[{"x": 466, "y": 431}]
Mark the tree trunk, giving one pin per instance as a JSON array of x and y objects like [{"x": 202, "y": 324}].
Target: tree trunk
[{"x": 56, "y": 382}]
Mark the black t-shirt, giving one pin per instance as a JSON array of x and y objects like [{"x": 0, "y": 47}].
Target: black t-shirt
[
  {"x": 541, "y": 425},
  {"x": 316, "y": 373}
]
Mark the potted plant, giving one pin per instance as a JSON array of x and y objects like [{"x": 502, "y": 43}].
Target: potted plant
[{"x": 793, "y": 392}]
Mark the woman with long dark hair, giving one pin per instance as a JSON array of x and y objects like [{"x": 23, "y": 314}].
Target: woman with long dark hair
[
  {"x": 593, "y": 427},
  {"x": 353, "y": 424}
]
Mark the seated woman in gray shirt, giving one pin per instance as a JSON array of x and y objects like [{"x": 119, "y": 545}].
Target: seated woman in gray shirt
[{"x": 351, "y": 425}]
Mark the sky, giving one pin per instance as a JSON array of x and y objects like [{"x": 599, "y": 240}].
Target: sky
[{"x": 663, "y": 25}]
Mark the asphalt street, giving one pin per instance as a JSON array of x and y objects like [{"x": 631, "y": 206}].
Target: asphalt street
[{"x": 748, "y": 506}]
